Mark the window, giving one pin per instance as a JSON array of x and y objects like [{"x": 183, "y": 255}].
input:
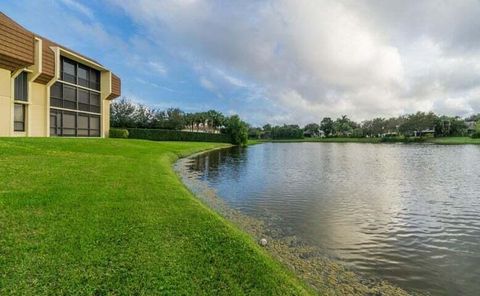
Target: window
[
  {"x": 56, "y": 95},
  {"x": 68, "y": 123},
  {"x": 82, "y": 129},
  {"x": 95, "y": 126},
  {"x": 83, "y": 75},
  {"x": 73, "y": 124},
  {"x": 53, "y": 123},
  {"x": 69, "y": 97},
  {"x": 21, "y": 87},
  {"x": 83, "y": 100},
  {"x": 69, "y": 71},
  {"x": 74, "y": 98},
  {"x": 94, "y": 79},
  {"x": 77, "y": 91},
  {"x": 19, "y": 118},
  {"x": 94, "y": 102},
  {"x": 79, "y": 74},
  {"x": 83, "y": 97}
]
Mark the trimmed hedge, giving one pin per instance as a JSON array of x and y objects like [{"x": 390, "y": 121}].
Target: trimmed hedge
[
  {"x": 173, "y": 135},
  {"x": 476, "y": 135},
  {"x": 118, "y": 133}
]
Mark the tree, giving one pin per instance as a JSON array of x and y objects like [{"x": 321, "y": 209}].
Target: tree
[
  {"x": 343, "y": 126},
  {"x": 291, "y": 131},
  {"x": 327, "y": 126},
  {"x": 200, "y": 119},
  {"x": 374, "y": 127},
  {"x": 358, "y": 132},
  {"x": 254, "y": 133},
  {"x": 312, "y": 128},
  {"x": 190, "y": 120},
  {"x": 122, "y": 113},
  {"x": 450, "y": 126},
  {"x": 215, "y": 119},
  {"x": 418, "y": 122},
  {"x": 143, "y": 116},
  {"x": 475, "y": 117},
  {"x": 237, "y": 130},
  {"x": 175, "y": 119}
]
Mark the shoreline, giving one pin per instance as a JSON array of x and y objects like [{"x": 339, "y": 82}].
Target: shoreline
[
  {"x": 326, "y": 275},
  {"x": 436, "y": 141}
]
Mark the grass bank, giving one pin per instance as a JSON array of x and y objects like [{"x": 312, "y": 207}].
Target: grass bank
[
  {"x": 440, "y": 141},
  {"x": 110, "y": 217},
  {"x": 455, "y": 141}
]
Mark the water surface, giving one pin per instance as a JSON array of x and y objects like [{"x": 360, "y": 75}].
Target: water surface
[{"x": 406, "y": 213}]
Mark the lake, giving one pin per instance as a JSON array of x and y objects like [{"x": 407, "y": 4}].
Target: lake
[{"x": 409, "y": 214}]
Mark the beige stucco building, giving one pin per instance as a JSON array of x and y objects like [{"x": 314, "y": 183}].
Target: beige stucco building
[{"x": 49, "y": 90}]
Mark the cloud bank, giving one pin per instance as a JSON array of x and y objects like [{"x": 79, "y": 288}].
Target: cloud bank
[{"x": 297, "y": 61}]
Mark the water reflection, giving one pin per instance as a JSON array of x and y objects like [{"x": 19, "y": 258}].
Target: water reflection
[{"x": 407, "y": 213}]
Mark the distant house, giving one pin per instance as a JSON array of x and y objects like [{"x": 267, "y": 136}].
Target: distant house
[
  {"x": 389, "y": 134},
  {"x": 428, "y": 133},
  {"x": 313, "y": 134},
  {"x": 471, "y": 126}
]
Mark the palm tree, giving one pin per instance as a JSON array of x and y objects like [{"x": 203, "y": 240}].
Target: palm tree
[
  {"x": 190, "y": 120},
  {"x": 200, "y": 118},
  {"x": 215, "y": 119}
]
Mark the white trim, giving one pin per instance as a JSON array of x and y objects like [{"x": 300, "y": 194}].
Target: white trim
[
  {"x": 76, "y": 111},
  {"x": 21, "y": 102},
  {"x": 80, "y": 86},
  {"x": 80, "y": 59}
]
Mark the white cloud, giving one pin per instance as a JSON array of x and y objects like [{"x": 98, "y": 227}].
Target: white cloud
[
  {"x": 207, "y": 84},
  {"x": 157, "y": 67},
  {"x": 78, "y": 7},
  {"x": 317, "y": 58}
]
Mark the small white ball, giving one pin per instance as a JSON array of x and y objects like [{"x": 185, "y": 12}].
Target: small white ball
[{"x": 263, "y": 242}]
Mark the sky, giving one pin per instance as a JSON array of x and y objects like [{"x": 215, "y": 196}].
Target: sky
[{"x": 277, "y": 61}]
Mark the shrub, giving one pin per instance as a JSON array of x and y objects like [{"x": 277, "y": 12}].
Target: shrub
[
  {"x": 476, "y": 135},
  {"x": 402, "y": 140},
  {"x": 118, "y": 133},
  {"x": 237, "y": 130},
  {"x": 173, "y": 135}
]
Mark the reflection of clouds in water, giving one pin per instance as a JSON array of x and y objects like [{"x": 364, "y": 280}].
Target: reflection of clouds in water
[
  {"x": 408, "y": 212},
  {"x": 307, "y": 261}
]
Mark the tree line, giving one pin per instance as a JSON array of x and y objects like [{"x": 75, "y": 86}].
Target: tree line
[
  {"x": 127, "y": 114},
  {"x": 420, "y": 124}
]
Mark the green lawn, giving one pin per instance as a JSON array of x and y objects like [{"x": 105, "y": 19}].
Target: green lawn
[
  {"x": 110, "y": 217},
  {"x": 455, "y": 140}
]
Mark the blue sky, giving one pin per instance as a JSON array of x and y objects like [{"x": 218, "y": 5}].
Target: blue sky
[
  {"x": 150, "y": 72},
  {"x": 277, "y": 61}
]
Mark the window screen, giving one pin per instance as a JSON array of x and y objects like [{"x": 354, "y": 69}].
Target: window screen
[
  {"x": 21, "y": 87},
  {"x": 70, "y": 124},
  {"x": 83, "y": 75},
  {"x": 69, "y": 71},
  {"x": 19, "y": 118}
]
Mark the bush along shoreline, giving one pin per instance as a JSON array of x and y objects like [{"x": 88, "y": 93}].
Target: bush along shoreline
[
  {"x": 173, "y": 135},
  {"x": 235, "y": 132}
]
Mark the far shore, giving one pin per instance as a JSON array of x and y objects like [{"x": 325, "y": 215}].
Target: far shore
[{"x": 439, "y": 140}]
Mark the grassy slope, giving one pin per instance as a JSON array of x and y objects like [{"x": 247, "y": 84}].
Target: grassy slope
[{"x": 88, "y": 216}]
